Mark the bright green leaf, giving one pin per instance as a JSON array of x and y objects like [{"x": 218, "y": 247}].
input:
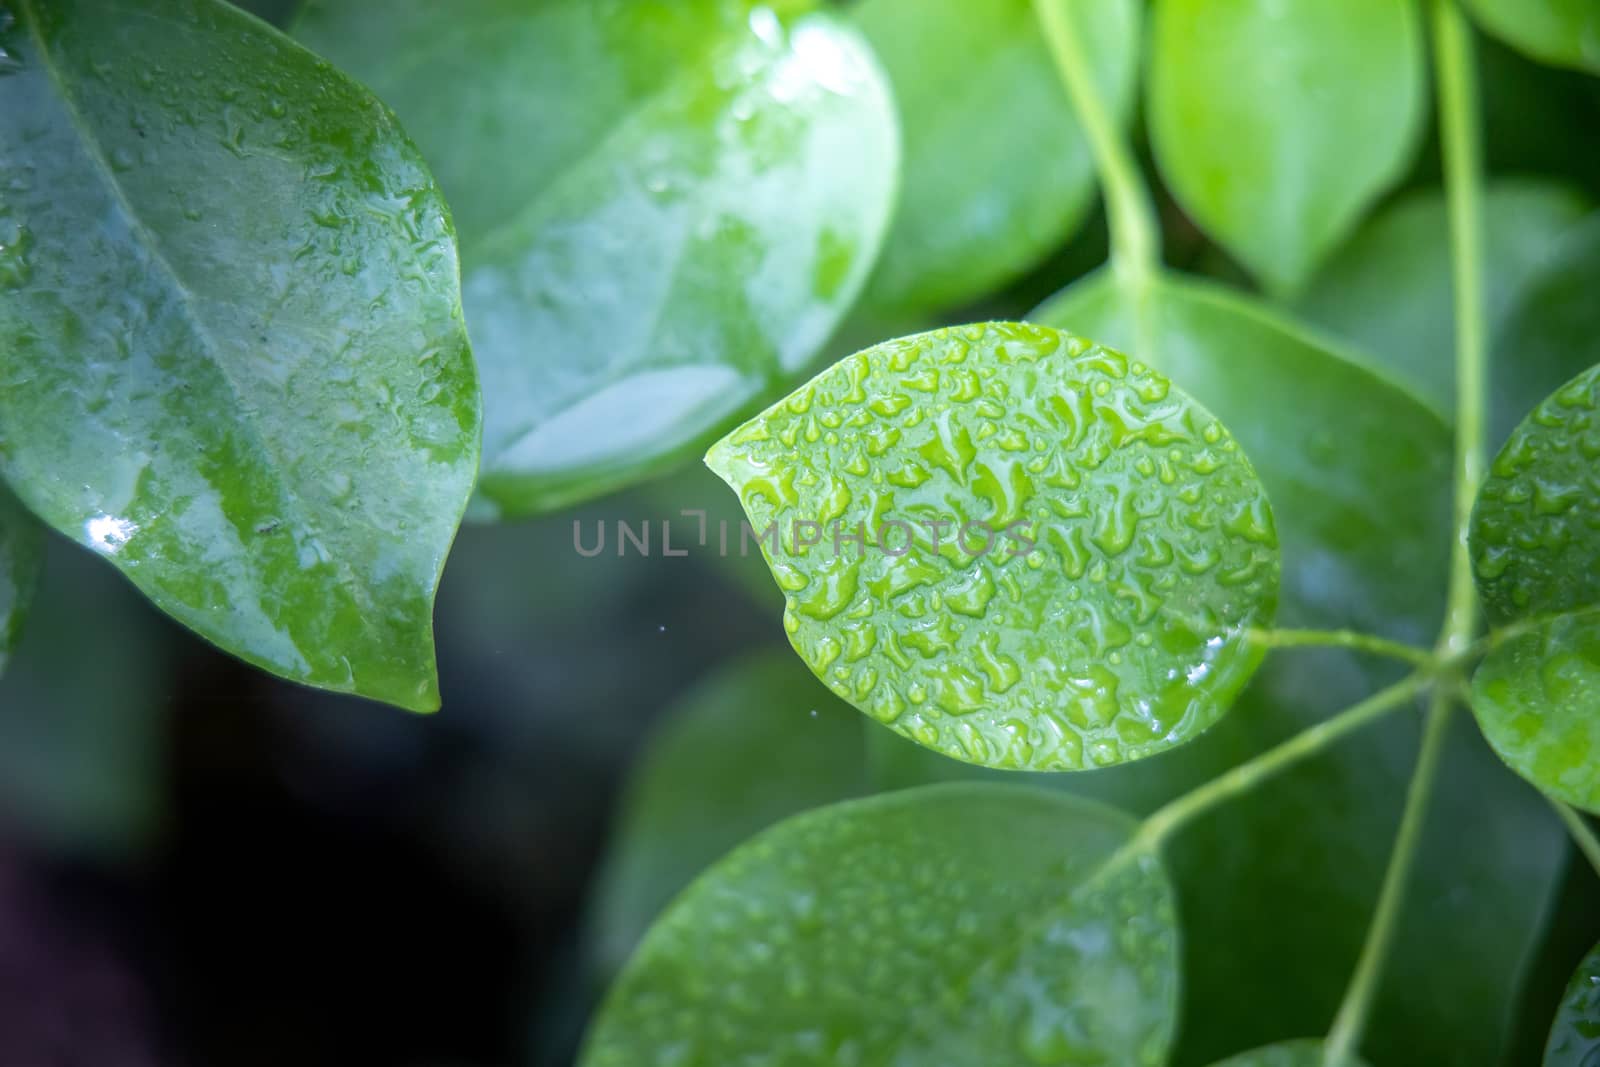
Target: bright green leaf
[
  {"x": 1057, "y": 554},
  {"x": 234, "y": 362},
  {"x": 985, "y": 200},
  {"x": 1575, "y": 1036},
  {"x": 21, "y": 551},
  {"x": 875, "y": 931},
  {"x": 1535, "y": 540},
  {"x": 1563, "y": 32},
  {"x": 1277, "y": 124},
  {"x": 1308, "y": 1053},
  {"x": 759, "y": 741},
  {"x": 1389, "y": 290},
  {"x": 665, "y": 208}
]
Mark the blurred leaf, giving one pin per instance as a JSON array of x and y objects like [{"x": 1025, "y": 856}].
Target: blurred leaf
[
  {"x": 1575, "y": 1035},
  {"x": 884, "y": 917},
  {"x": 757, "y": 742},
  {"x": 1284, "y": 881},
  {"x": 235, "y": 361},
  {"x": 1535, "y": 540},
  {"x": 1276, "y": 125},
  {"x": 665, "y": 209},
  {"x": 1058, "y": 555},
  {"x": 21, "y": 550},
  {"x": 1389, "y": 290},
  {"x": 1563, "y": 32},
  {"x": 1309, "y": 1053},
  {"x": 984, "y": 200}
]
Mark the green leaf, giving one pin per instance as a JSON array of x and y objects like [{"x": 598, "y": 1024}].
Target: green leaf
[
  {"x": 1058, "y": 554},
  {"x": 876, "y": 931},
  {"x": 21, "y": 553},
  {"x": 1565, "y": 33},
  {"x": 1575, "y": 1035},
  {"x": 983, "y": 199},
  {"x": 234, "y": 361},
  {"x": 1535, "y": 539},
  {"x": 1308, "y": 1053},
  {"x": 665, "y": 209},
  {"x": 1277, "y": 125},
  {"x": 1286, "y": 879},
  {"x": 757, "y": 742},
  {"x": 1389, "y": 291}
]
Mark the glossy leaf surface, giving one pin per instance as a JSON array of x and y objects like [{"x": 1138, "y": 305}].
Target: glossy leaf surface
[
  {"x": 1575, "y": 1035},
  {"x": 233, "y": 356},
  {"x": 665, "y": 208},
  {"x": 1057, "y": 553},
  {"x": 1535, "y": 540},
  {"x": 21, "y": 551},
  {"x": 1562, "y": 32},
  {"x": 875, "y": 932},
  {"x": 1276, "y": 125},
  {"x": 983, "y": 200},
  {"x": 1285, "y": 879},
  {"x": 759, "y": 741},
  {"x": 1309, "y": 1053},
  {"x": 1389, "y": 292}
]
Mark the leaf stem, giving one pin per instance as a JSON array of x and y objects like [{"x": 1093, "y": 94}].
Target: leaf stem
[
  {"x": 1458, "y": 116},
  {"x": 1351, "y": 1020},
  {"x": 1135, "y": 234},
  {"x": 1583, "y": 834},
  {"x": 1161, "y": 824},
  {"x": 1346, "y": 639}
]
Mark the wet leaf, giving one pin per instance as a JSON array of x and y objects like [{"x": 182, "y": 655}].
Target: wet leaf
[
  {"x": 1562, "y": 32},
  {"x": 665, "y": 209},
  {"x": 1308, "y": 1053},
  {"x": 21, "y": 553},
  {"x": 234, "y": 362},
  {"x": 757, "y": 742},
  {"x": 984, "y": 200},
  {"x": 1057, "y": 553},
  {"x": 1575, "y": 1035},
  {"x": 1277, "y": 125},
  {"x": 1535, "y": 540},
  {"x": 1389, "y": 291},
  {"x": 875, "y": 932}
]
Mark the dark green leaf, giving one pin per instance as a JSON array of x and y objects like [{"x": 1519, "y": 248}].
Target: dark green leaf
[
  {"x": 759, "y": 741},
  {"x": 1057, "y": 554},
  {"x": 21, "y": 550},
  {"x": 1389, "y": 289},
  {"x": 1308, "y": 1053},
  {"x": 1535, "y": 540},
  {"x": 1575, "y": 1036},
  {"x": 665, "y": 208},
  {"x": 1276, "y": 125},
  {"x": 876, "y": 931},
  {"x": 234, "y": 361},
  {"x": 1562, "y": 32},
  {"x": 1285, "y": 880},
  {"x": 986, "y": 198}
]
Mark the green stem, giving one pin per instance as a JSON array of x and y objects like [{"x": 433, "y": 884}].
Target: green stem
[
  {"x": 1163, "y": 822},
  {"x": 1458, "y": 116},
  {"x": 1583, "y": 834},
  {"x": 1346, "y": 639},
  {"x": 1135, "y": 235}
]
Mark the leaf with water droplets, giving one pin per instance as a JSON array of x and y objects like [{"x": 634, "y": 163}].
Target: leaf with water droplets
[
  {"x": 1575, "y": 1035},
  {"x": 1011, "y": 545},
  {"x": 984, "y": 200},
  {"x": 1565, "y": 33},
  {"x": 21, "y": 553},
  {"x": 232, "y": 359},
  {"x": 875, "y": 931},
  {"x": 1535, "y": 540},
  {"x": 665, "y": 209},
  {"x": 1263, "y": 130},
  {"x": 759, "y": 741},
  {"x": 1307, "y": 1053}
]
